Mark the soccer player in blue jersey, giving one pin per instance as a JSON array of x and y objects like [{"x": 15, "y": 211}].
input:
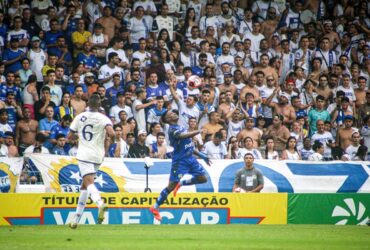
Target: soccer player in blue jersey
[{"x": 183, "y": 161}]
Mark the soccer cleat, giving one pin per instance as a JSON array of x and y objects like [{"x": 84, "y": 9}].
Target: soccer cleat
[
  {"x": 176, "y": 189},
  {"x": 101, "y": 214},
  {"x": 73, "y": 225},
  {"x": 156, "y": 213}
]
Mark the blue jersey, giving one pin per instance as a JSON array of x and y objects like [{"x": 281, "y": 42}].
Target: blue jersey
[
  {"x": 9, "y": 55},
  {"x": 51, "y": 37},
  {"x": 89, "y": 61},
  {"x": 183, "y": 147}
]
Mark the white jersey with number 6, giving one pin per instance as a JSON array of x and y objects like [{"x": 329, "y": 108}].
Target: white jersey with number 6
[{"x": 90, "y": 127}]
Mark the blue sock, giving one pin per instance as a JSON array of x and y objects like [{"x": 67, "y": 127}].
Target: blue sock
[
  {"x": 161, "y": 198},
  {"x": 192, "y": 181}
]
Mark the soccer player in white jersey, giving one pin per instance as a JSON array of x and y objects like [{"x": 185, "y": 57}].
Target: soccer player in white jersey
[{"x": 91, "y": 127}]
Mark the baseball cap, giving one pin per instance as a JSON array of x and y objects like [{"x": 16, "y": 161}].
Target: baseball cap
[
  {"x": 348, "y": 117},
  {"x": 228, "y": 74},
  {"x": 35, "y": 38},
  {"x": 89, "y": 74},
  {"x": 8, "y": 134},
  {"x": 142, "y": 132}
]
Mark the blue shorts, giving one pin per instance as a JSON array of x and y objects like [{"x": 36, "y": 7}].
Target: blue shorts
[{"x": 186, "y": 166}]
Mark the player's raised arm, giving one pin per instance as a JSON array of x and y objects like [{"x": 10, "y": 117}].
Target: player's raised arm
[
  {"x": 185, "y": 135},
  {"x": 203, "y": 156}
]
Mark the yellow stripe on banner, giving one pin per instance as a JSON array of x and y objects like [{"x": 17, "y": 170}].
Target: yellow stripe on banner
[{"x": 251, "y": 208}]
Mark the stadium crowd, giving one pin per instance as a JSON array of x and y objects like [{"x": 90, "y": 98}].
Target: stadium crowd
[{"x": 278, "y": 81}]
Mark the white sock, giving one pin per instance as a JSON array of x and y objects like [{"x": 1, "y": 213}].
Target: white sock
[
  {"x": 95, "y": 195},
  {"x": 84, "y": 194}
]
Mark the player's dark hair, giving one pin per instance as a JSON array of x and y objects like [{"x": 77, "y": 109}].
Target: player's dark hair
[{"x": 94, "y": 101}]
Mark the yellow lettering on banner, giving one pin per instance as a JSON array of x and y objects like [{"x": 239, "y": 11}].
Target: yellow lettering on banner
[{"x": 271, "y": 208}]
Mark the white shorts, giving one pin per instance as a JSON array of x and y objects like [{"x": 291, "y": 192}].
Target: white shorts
[{"x": 87, "y": 168}]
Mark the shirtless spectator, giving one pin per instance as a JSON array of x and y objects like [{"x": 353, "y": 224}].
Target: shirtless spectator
[
  {"x": 212, "y": 126},
  {"x": 250, "y": 87},
  {"x": 282, "y": 107},
  {"x": 250, "y": 131},
  {"x": 158, "y": 149},
  {"x": 344, "y": 134},
  {"x": 26, "y": 131},
  {"x": 278, "y": 132},
  {"x": 109, "y": 22},
  {"x": 78, "y": 104},
  {"x": 265, "y": 68},
  {"x": 226, "y": 107}
]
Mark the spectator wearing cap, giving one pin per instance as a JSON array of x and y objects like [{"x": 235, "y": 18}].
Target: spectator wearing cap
[
  {"x": 12, "y": 56},
  {"x": 90, "y": 82},
  {"x": 38, "y": 57},
  {"x": 41, "y": 105},
  {"x": 13, "y": 109},
  {"x": 344, "y": 134},
  {"x": 99, "y": 41},
  {"x": 112, "y": 92},
  {"x": 139, "y": 149},
  {"x": 121, "y": 105},
  {"x": 9, "y": 143},
  {"x": 317, "y": 113}
]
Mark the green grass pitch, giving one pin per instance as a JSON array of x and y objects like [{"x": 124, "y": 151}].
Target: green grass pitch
[{"x": 185, "y": 237}]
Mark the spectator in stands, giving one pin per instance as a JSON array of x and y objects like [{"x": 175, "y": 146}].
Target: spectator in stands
[
  {"x": 158, "y": 149},
  {"x": 249, "y": 148},
  {"x": 318, "y": 148},
  {"x": 154, "y": 129},
  {"x": 37, "y": 146},
  {"x": 248, "y": 178},
  {"x": 46, "y": 124},
  {"x": 214, "y": 149},
  {"x": 139, "y": 149},
  {"x": 270, "y": 153},
  {"x": 25, "y": 132},
  {"x": 352, "y": 149},
  {"x": 121, "y": 105},
  {"x": 59, "y": 148},
  {"x": 9, "y": 143},
  {"x": 77, "y": 103},
  {"x": 13, "y": 109},
  {"x": 118, "y": 148},
  {"x": 291, "y": 151}
]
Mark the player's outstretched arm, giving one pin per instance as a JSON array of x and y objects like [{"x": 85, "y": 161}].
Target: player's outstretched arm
[
  {"x": 203, "y": 156},
  {"x": 185, "y": 135}
]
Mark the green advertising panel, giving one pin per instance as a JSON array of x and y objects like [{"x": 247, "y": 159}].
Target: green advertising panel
[{"x": 338, "y": 209}]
